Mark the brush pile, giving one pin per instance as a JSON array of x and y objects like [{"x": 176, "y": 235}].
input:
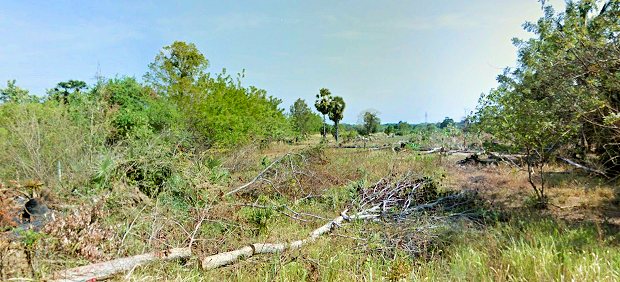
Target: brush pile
[
  {"x": 398, "y": 199},
  {"x": 413, "y": 215}
]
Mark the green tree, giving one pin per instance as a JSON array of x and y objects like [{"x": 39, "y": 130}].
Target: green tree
[
  {"x": 446, "y": 122},
  {"x": 14, "y": 94},
  {"x": 303, "y": 120},
  {"x": 371, "y": 122},
  {"x": 389, "y": 129},
  {"x": 403, "y": 128},
  {"x": 64, "y": 90},
  {"x": 563, "y": 90},
  {"x": 336, "y": 112},
  {"x": 323, "y": 104},
  {"x": 134, "y": 109},
  {"x": 178, "y": 72},
  {"x": 231, "y": 114}
]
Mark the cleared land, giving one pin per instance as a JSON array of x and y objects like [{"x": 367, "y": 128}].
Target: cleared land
[{"x": 495, "y": 236}]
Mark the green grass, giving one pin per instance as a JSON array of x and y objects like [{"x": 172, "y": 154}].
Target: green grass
[{"x": 528, "y": 250}]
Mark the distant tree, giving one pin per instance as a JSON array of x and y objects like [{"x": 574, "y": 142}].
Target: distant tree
[
  {"x": 371, "y": 122},
  {"x": 336, "y": 112},
  {"x": 446, "y": 122},
  {"x": 323, "y": 104},
  {"x": 303, "y": 119},
  {"x": 65, "y": 89},
  {"x": 14, "y": 94},
  {"x": 389, "y": 129},
  {"x": 403, "y": 128}
]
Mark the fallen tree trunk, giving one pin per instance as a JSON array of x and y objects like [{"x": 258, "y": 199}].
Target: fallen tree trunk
[
  {"x": 582, "y": 166},
  {"x": 221, "y": 259},
  {"x": 103, "y": 270},
  {"x": 435, "y": 150}
]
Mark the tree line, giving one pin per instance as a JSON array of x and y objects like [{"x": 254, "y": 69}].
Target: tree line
[{"x": 179, "y": 94}]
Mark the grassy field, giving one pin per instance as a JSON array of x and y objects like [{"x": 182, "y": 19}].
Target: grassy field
[{"x": 500, "y": 238}]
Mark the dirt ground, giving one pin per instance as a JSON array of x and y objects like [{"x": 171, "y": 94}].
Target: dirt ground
[{"x": 573, "y": 195}]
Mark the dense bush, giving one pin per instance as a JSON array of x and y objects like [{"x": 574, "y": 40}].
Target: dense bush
[
  {"x": 230, "y": 114},
  {"x": 135, "y": 109}
]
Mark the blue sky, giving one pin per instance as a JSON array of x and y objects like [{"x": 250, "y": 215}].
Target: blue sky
[{"x": 401, "y": 58}]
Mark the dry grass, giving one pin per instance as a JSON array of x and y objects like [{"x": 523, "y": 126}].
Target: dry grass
[{"x": 572, "y": 195}]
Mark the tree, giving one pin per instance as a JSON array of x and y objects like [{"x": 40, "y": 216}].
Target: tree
[
  {"x": 389, "y": 129},
  {"x": 403, "y": 128},
  {"x": 135, "y": 110},
  {"x": 323, "y": 104},
  {"x": 336, "y": 112},
  {"x": 65, "y": 89},
  {"x": 371, "y": 122},
  {"x": 178, "y": 72},
  {"x": 14, "y": 94},
  {"x": 446, "y": 121},
  {"x": 217, "y": 108},
  {"x": 303, "y": 119},
  {"x": 564, "y": 89}
]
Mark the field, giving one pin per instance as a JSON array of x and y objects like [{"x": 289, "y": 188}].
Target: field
[
  {"x": 498, "y": 236},
  {"x": 317, "y": 166}
]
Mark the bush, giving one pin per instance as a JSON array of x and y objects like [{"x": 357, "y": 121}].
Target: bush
[
  {"x": 232, "y": 115},
  {"x": 137, "y": 110}
]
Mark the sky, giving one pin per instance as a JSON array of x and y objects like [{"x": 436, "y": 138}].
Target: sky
[{"x": 408, "y": 60}]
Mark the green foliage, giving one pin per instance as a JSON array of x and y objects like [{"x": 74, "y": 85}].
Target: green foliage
[
  {"x": 323, "y": 101},
  {"x": 303, "y": 120},
  {"x": 371, "y": 122},
  {"x": 178, "y": 72},
  {"x": 564, "y": 86},
  {"x": 231, "y": 114},
  {"x": 347, "y": 133},
  {"x": 149, "y": 163},
  {"x": 218, "y": 109},
  {"x": 104, "y": 171},
  {"x": 65, "y": 90},
  {"x": 332, "y": 106},
  {"x": 402, "y": 128},
  {"x": 389, "y": 129},
  {"x": 30, "y": 238},
  {"x": 136, "y": 110},
  {"x": 14, "y": 94},
  {"x": 323, "y": 104},
  {"x": 446, "y": 122},
  {"x": 336, "y": 112},
  {"x": 259, "y": 217}
]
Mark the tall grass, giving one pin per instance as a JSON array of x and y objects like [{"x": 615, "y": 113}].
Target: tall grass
[
  {"x": 528, "y": 250},
  {"x": 42, "y": 142}
]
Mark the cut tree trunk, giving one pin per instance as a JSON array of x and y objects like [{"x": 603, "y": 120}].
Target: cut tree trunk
[{"x": 103, "y": 270}]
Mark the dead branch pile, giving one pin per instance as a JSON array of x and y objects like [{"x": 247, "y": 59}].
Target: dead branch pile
[
  {"x": 398, "y": 199},
  {"x": 414, "y": 215}
]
